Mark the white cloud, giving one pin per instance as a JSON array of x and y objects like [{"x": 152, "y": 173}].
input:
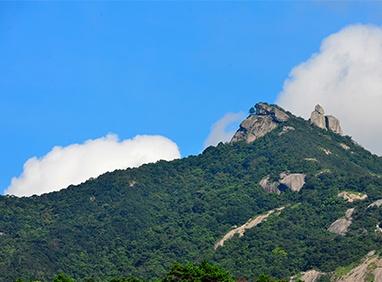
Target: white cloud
[
  {"x": 76, "y": 163},
  {"x": 345, "y": 77},
  {"x": 222, "y": 131}
]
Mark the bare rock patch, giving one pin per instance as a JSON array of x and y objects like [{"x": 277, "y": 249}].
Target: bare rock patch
[
  {"x": 269, "y": 186},
  {"x": 251, "y": 223},
  {"x": 341, "y": 225},
  {"x": 307, "y": 276},
  {"x": 344, "y": 146},
  {"x": 263, "y": 119},
  {"x": 294, "y": 181},
  {"x": 377, "y": 204},
  {"x": 351, "y": 197}
]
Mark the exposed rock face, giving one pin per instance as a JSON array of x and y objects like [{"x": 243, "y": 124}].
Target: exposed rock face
[
  {"x": 286, "y": 129},
  {"x": 307, "y": 276},
  {"x": 269, "y": 186},
  {"x": 319, "y": 119},
  {"x": 254, "y": 127},
  {"x": 276, "y": 113},
  {"x": 319, "y": 109},
  {"x": 344, "y": 146},
  {"x": 263, "y": 119},
  {"x": 376, "y": 204},
  {"x": 293, "y": 181},
  {"x": 326, "y": 151},
  {"x": 370, "y": 269},
  {"x": 378, "y": 274},
  {"x": 311, "y": 276},
  {"x": 341, "y": 225},
  {"x": 251, "y": 223},
  {"x": 333, "y": 124},
  {"x": 351, "y": 197}
]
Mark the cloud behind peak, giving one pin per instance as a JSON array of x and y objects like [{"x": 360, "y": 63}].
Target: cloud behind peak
[{"x": 344, "y": 76}]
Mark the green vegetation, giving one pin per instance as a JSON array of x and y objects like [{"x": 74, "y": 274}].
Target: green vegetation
[
  {"x": 176, "y": 211},
  {"x": 343, "y": 270},
  {"x": 203, "y": 272},
  {"x": 62, "y": 277},
  {"x": 198, "y": 273}
]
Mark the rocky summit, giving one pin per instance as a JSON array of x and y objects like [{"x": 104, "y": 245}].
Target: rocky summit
[
  {"x": 319, "y": 119},
  {"x": 262, "y": 119}
]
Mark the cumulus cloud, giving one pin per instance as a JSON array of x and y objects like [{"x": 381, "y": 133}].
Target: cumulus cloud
[
  {"x": 76, "y": 163},
  {"x": 345, "y": 77},
  {"x": 223, "y": 129}
]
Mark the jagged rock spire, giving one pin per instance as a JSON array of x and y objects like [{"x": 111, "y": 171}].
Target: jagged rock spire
[
  {"x": 317, "y": 117},
  {"x": 333, "y": 124},
  {"x": 325, "y": 122}
]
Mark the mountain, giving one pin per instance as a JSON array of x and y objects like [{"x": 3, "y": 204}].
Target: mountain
[{"x": 285, "y": 196}]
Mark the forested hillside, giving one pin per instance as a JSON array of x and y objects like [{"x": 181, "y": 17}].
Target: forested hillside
[{"x": 140, "y": 221}]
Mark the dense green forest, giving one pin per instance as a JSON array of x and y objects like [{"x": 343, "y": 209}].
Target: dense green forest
[
  {"x": 203, "y": 272},
  {"x": 138, "y": 222}
]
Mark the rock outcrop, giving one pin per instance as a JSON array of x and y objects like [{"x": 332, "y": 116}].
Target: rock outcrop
[
  {"x": 370, "y": 269},
  {"x": 286, "y": 129},
  {"x": 269, "y": 186},
  {"x": 317, "y": 117},
  {"x": 351, "y": 197},
  {"x": 307, "y": 276},
  {"x": 344, "y": 146},
  {"x": 254, "y": 127},
  {"x": 341, "y": 225},
  {"x": 263, "y": 119},
  {"x": 269, "y": 110},
  {"x": 376, "y": 204},
  {"x": 329, "y": 122},
  {"x": 294, "y": 181},
  {"x": 326, "y": 151},
  {"x": 333, "y": 124},
  {"x": 251, "y": 223}
]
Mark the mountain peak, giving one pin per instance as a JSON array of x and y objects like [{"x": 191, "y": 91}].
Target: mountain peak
[
  {"x": 277, "y": 113},
  {"x": 300, "y": 198},
  {"x": 262, "y": 119}
]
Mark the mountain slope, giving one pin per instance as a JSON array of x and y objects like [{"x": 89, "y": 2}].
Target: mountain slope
[{"x": 139, "y": 221}]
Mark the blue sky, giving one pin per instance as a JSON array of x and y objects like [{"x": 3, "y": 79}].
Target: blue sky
[{"x": 76, "y": 71}]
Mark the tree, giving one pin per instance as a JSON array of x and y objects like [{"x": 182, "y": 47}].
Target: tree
[
  {"x": 204, "y": 272},
  {"x": 62, "y": 277}
]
